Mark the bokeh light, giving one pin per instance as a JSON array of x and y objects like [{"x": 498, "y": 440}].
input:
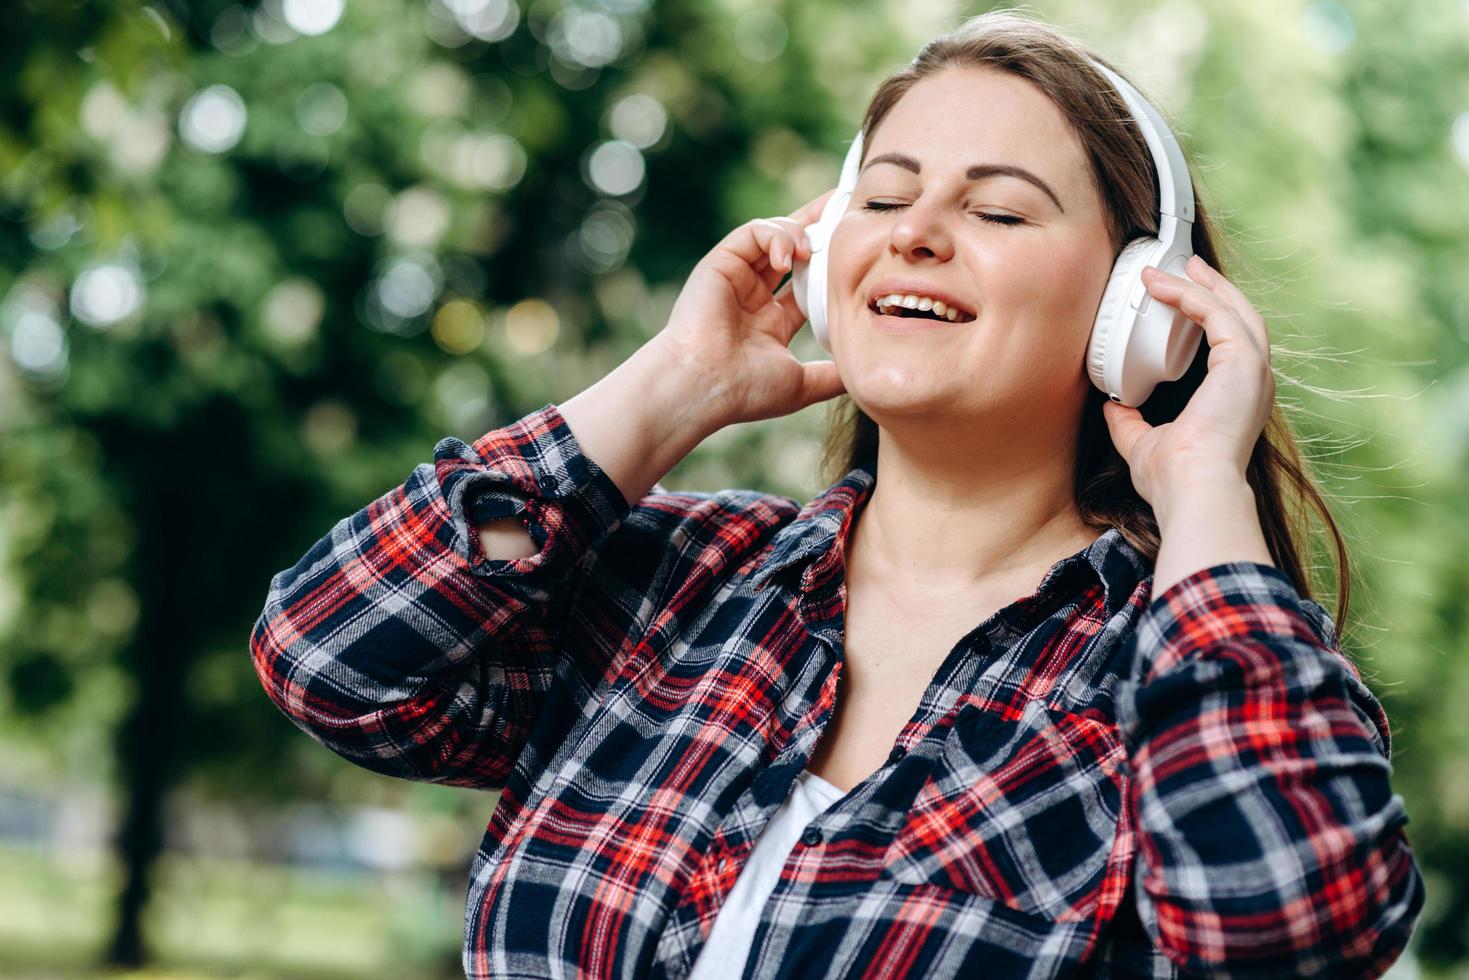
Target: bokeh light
[
  {"x": 638, "y": 119},
  {"x": 329, "y": 427},
  {"x": 487, "y": 20},
  {"x": 465, "y": 397},
  {"x": 488, "y": 161},
  {"x": 312, "y": 17},
  {"x": 365, "y": 207},
  {"x": 112, "y": 608},
  {"x": 293, "y": 310},
  {"x": 1328, "y": 26},
  {"x": 105, "y": 294},
  {"x": 601, "y": 242},
  {"x": 268, "y": 23},
  {"x": 142, "y": 141},
  {"x": 38, "y": 346},
  {"x": 761, "y": 35},
  {"x": 615, "y": 167},
  {"x": 56, "y": 231},
  {"x": 230, "y": 32},
  {"x": 439, "y": 91},
  {"x": 407, "y": 288},
  {"x": 213, "y": 120},
  {"x": 531, "y": 327},
  {"x": 103, "y": 111},
  {"x": 137, "y": 137},
  {"x": 459, "y": 326},
  {"x": 321, "y": 109},
  {"x": 418, "y": 217},
  {"x": 402, "y": 291},
  {"x": 579, "y": 36}
]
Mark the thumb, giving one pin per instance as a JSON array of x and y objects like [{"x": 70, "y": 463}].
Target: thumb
[
  {"x": 1126, "y": 425},
  {"x": 820, "y": 382}
]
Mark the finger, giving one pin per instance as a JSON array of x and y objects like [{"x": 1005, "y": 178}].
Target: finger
[
  {"x": 791, "y": 234},
  {"x": 753, "y": 243},
  {"x": 1204, "y": 273},
  {"x": 1201, "y": 305},
  {"x": 779, "y": 244},
  {"x": 821, "y": 381},
  {"x": 1127, "y": 426}
]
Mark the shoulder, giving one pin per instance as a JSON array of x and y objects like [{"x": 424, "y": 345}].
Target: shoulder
[{"x": 726, "y": 515}]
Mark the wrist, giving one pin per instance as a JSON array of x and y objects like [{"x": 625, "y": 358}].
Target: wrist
[
  {"x": 1207, "y": 524},
  {"x": 677, "y": 400},
  {"x": 680, "y": 391},
  {"x": 1215, "y": 489}
]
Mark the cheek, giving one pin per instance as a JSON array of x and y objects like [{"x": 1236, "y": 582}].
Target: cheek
[
  {"x": 1062, "y": 292},
  {"x": 847, "y": 253}
]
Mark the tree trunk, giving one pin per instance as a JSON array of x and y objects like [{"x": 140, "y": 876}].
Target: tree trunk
[{"x": 164, "y": 575}]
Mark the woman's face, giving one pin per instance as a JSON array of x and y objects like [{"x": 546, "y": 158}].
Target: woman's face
[{"x": 1028, "y": 277}]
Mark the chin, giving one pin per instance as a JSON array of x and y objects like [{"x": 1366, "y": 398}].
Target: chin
[{"x": 887, "y": 398}]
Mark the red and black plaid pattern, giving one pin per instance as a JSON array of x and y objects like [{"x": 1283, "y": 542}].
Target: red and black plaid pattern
[{"x": 1096, "y": 782}]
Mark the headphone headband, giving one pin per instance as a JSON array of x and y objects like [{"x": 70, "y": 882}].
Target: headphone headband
[{"x": 1175, "y": 195}]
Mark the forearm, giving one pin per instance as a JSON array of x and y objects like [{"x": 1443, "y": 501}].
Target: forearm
[
  {"x": 1270, "y": 839},
  {"x": 636, "y": 424},
  {"x": 642, "y": 418},
  {"x": 1213, "y": 522},
  {"x": 1269, "y": 835}
]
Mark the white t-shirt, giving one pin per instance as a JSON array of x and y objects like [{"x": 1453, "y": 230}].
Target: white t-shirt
[{"x": 724, "y": 954}]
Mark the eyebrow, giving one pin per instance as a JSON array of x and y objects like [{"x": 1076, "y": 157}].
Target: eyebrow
[{"x": 976, "y": 172}]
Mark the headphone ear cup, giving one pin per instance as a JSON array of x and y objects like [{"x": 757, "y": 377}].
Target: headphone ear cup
[
  {"x": 801, "y": 273},
  {"x": 816, "y": 298},
  {"x": 1111, "y": 326},
  {"x": 808, "y": 279}
]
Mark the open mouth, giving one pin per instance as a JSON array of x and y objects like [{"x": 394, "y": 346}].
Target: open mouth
[{"x": 919, "y": 313}]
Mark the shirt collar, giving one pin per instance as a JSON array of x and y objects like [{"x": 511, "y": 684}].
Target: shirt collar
[{"x": 816, "y": 539}]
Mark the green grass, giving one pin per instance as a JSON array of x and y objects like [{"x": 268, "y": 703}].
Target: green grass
[{"x": 215, "y": 918}]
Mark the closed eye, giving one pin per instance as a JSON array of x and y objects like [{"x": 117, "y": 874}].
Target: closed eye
[{"x": 997, "y": 219}]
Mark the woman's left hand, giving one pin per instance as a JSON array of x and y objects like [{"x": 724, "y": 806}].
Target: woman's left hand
[{"x": 1214, "y": 435}]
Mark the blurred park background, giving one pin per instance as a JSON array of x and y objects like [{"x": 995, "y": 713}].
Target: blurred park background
[{"x": 257, "y": 258}]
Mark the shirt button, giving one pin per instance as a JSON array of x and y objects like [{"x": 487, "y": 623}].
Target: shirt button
[
  {"x": 811, "y": 837},
  {"x": 897, "y": 753},
  {"x": 547, "y": 483}
]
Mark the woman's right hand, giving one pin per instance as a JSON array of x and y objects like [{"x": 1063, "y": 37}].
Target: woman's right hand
[{"x": 733, "y": 333}]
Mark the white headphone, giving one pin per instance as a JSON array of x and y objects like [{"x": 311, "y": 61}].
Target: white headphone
[{"x": 1135, "y": 343}]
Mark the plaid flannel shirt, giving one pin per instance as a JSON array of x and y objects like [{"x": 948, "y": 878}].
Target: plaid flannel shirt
[{"x": 1096, "y": 782}]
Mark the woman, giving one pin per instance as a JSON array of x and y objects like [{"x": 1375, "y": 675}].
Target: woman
[{"x": 1049, "y": 697}]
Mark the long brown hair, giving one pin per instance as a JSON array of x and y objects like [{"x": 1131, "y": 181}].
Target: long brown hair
[{"x": 1286, "y": 495}]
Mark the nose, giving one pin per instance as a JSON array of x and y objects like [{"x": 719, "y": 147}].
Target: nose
[{"x": 921, "y": 232}]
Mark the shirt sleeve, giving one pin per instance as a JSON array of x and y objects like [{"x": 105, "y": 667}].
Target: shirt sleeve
[
  {"x": 396, "y": 643},
  {"x": 1270, "y": 842}
]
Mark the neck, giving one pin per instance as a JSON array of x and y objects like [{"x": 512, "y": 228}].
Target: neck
[{"x": 952, "y": 517}]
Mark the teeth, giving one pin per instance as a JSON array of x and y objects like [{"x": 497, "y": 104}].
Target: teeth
[{"x": 913, "y": 302}]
